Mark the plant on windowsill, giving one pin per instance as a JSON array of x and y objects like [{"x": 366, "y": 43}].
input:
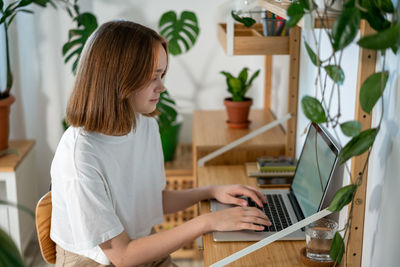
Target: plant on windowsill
[
  {"x": 184, "y": 30},
  {"x": 8, "y": 13},
  {"x": 382, "y": 17},
  {"x": 238, "y": 106}
]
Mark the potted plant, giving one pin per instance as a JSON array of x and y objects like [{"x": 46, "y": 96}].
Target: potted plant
[
  {"x": 8, "y": 14},
  {"x": 184, "y": 30},
  {"x": 238, "y": 106}
]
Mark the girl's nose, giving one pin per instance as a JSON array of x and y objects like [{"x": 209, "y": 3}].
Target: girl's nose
[{"x": 160, "y": 88}]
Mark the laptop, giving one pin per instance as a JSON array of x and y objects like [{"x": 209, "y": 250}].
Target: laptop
[{"x": 305, "y": 196}]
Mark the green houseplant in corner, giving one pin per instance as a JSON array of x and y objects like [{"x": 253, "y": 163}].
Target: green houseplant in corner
[
  {"x": 238, "y": 106},
  {"x": 176, "y": 31},
  {"x": 8, "y": 13}
]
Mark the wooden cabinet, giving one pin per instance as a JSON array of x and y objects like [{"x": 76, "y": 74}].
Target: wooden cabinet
[{"x": 18, "y": 185}]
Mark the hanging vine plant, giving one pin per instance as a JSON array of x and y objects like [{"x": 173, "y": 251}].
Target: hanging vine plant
[{"x": 381, "y": 16}]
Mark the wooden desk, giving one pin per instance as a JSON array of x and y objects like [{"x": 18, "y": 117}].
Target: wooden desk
[{"x": 280, "y": 253}]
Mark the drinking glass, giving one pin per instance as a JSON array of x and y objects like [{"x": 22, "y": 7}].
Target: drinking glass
[{"x": 319, "y": 237}]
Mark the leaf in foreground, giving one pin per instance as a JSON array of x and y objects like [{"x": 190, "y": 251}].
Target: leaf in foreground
[
  {"x": 351, "y": 128},
  {"x": 337, "y": 248},
  {"x": 313, "y": 109},
  {"x": 9, "y": 253},
  {"x": 358, "y": 145},
  {"x": 371, "y": 90},
  {"x": 336, "y": 73},
  {"x": 342, "y": 197}
]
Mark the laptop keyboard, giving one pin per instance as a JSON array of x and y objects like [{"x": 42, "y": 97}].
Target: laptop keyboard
[{"x": 276, "y": 211}]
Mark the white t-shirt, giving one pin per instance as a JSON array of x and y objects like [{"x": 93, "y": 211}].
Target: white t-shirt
[{"x": 102, "y": 185}]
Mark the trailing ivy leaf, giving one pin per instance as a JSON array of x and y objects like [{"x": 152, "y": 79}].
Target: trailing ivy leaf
[
  {"x": 358, "y": 145},
  {"x": 345, "y": 28},
  {"x": 342, "y": 197},
  {"x": 295, "y": 12},
  {"x": 371, "y": 90},
  {"x": 184, "y": 30},
  {"x": 313, "y": 109},
  {"x": 382, "y": 40},
  {"x": 351, "y": 128},
  {"x": 246, "y": 21},
  {"x": 311, "y": 54},
  {"x": 337, "y": 248},
  {"x": 336, "y": 73},
  {"x": 9, "y": 253}
]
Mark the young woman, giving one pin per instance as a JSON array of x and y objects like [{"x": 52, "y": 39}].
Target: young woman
[{"x": 108, "y": 183}]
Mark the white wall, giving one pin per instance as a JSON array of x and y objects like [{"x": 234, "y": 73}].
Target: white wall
[{"x": 381, "y": 229}]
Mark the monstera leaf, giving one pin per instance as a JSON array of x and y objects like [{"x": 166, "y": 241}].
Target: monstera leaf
[
  {"x": 179, "y": 32},
  {"x": 87, "y": 23}
]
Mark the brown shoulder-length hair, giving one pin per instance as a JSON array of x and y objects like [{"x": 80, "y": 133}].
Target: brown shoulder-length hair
[{"x": 119, "y": 58}]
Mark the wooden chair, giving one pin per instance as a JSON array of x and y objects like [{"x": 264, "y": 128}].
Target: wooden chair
[{"x": 43, "y": 223}]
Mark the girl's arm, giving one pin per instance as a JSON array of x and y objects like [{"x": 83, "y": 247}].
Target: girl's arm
[
  {"x": 122, "y": 251},
  {"x": 174, "y": 201}
]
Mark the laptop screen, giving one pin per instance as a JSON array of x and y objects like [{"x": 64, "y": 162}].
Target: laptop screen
[{"x": 309, "y": 182}]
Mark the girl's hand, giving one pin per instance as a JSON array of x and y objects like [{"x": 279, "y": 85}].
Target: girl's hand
[
  {"x": 228, "y": 194},
  {"x": 237, "y": 218}
]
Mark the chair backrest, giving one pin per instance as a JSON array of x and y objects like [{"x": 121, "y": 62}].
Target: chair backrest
[{"x": 43, "y": 223}]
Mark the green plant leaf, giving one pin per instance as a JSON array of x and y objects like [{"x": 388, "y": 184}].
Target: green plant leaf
[
  {"x": 175, "y": 31},
  {"x": 385, "y": 6},
  {"x": 9, "y": 253},
  {"x": 295, "y": 12},
  {"x": 358, "y": 145},
  {"x": 246, "y": 21},
  {"x": 255, "y": 74},
  {"x": 168, "y": 112},
  {"x": 342, "y": 197},
  {"x": 304, "y": 4},
  {"x": 382, "y": 40},
  {"x": 243, "y": 75},
  {"x": 371, "y": 90},
  {"x": 313, "y": 109},
  {"x": 345, "y": 28},
  {"x": 23, "y": 3},
  {"x": 337, "y": 248},
  {"x": 1, "y": 4},
  {"x": 351, "y": 128},
  {"x": 311, "y": 54},
  {"x": 336, "y": 73},
  {"x": 87, "y": 24}
]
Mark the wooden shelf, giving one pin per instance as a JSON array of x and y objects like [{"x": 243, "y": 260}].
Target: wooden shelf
[
  {"x": 210, "y": 132},
  {"x": 9, "y": 162},
  {"x": 251, "y": 41},
  {"x": 280, "y": 9}
]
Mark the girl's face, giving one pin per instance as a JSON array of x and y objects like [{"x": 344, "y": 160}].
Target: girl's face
[{"x": 146, "y": 99}]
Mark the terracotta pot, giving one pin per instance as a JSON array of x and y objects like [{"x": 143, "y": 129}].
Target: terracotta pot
[
  {"x": 238, "y": 112},
  {"x": 5, "y": 120}
]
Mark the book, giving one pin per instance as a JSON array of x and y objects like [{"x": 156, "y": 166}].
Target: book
[
  {"x": 252, "y": 171},
  {"x": 274, "y": 182},
  {"x": 281, "y": 164}
]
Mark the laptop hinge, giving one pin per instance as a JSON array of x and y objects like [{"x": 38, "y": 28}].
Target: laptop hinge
[{"x": 296, "y": 206}]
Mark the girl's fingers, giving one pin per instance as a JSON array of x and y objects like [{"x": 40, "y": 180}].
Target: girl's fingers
[{"x": 259, "y": 194}]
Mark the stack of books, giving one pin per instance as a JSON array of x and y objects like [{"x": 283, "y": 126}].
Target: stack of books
[
  {"x": 271, "y": 172},
  {"x": 272, "y": 167}
]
